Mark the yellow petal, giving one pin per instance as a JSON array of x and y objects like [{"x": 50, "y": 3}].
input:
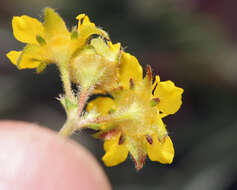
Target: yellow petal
[
  {"x": 26, "y": 60},
  {"x": 170, "y": 97},
  {"x": 28, "y": 63},
  {"x": 14, "y": 56},
  {"x": 25, "y": 29},
  {"x": 54, "y": 25},
  {"x": 161, "y": 152},
  {"x": 161, "y": 129},
  {"x": 129, "y": 68},
  {"x": 109, "y": 143},
  {"x": 115, "y": 153},
  {"x": 101, "y": 104},
  {"x": 31, "y": 57}
]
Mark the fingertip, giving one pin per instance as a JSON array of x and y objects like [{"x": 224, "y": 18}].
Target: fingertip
[{"x": 33, "y": 157}]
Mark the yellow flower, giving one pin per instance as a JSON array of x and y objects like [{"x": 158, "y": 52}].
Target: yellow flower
[
  {"x": 48, "y": 42},
  {"x": 91, "y": 63},
  {"x": 136, "y": 125}
]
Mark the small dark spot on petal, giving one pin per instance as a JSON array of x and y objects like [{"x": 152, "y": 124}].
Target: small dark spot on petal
[
  {"x": 162, "y": 139},
  {"x": 131, "y": 83},
  {"x": 121, "y": 139},
  {"x": 156, "y": 100},
  {"x": 149, "y": 139}
]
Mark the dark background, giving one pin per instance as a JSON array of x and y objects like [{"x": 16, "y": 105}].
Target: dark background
[{"x": 191, "y": 42}]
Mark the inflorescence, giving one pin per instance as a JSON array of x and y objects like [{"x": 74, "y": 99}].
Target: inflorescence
[{"x": 129, "y": 115}]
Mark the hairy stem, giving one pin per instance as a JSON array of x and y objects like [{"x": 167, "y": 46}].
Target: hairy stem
[
  {"x": 67, "y": 129},
  {"x": 65, "y": 77},
  {"x": 72, "y": 125},
  {"x": 82, "y": 99},
  {"x": 87, "y": 122}
]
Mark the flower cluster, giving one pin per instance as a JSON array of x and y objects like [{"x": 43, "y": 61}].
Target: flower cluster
[{"x": 129, "y": 115}]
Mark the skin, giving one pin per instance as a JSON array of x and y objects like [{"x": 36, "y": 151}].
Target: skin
[{"x": 32, "y": 157}]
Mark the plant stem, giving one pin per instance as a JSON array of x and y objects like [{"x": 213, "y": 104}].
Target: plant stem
[
  {"x": 65, "y": 77},
  {"x": 98, "y": 120},
  {"x": 71, "y": 125},
  {"x": 82, "y": 99},
  {"x": 67, "y": 129}
]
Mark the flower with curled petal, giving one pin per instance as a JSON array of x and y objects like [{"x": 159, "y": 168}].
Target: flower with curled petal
[
  {"x": 49, "y": 42},
  {"x": 136, "y": 125},
  {"x": 91, "y": 63}
]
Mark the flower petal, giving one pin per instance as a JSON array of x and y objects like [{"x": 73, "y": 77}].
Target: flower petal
[
  {"x": 115, "y": 152},
  {"x": 54, "y": 25},
  {"x": 101, "y": 104},
  {"x": 161, "y": 130},
  {"x": 111, "y": 142},
  {"x": 161, "y": 152},
  {"x": 170, "y": 97},
  {"x": 129, "y": 68},
  {"x": 32, "y": 56},
  {"x": 25, "y": 29},
  {"x": 14, "y": 56},
  {"x": 25, "y": 61}
]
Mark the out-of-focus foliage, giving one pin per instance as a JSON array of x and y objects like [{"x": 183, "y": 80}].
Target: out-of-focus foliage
[{"x": 181, "y": 43}]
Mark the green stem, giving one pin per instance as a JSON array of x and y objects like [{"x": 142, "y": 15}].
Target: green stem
[
  {"x": 67, "y": 129},
  {"x": 87, "y": 122},
  {"x": 65, "y": 77},
  {"x": 71, "y": 125}
]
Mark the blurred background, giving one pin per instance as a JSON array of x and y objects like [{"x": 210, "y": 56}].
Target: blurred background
[{"x": 191, "y": 42}]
